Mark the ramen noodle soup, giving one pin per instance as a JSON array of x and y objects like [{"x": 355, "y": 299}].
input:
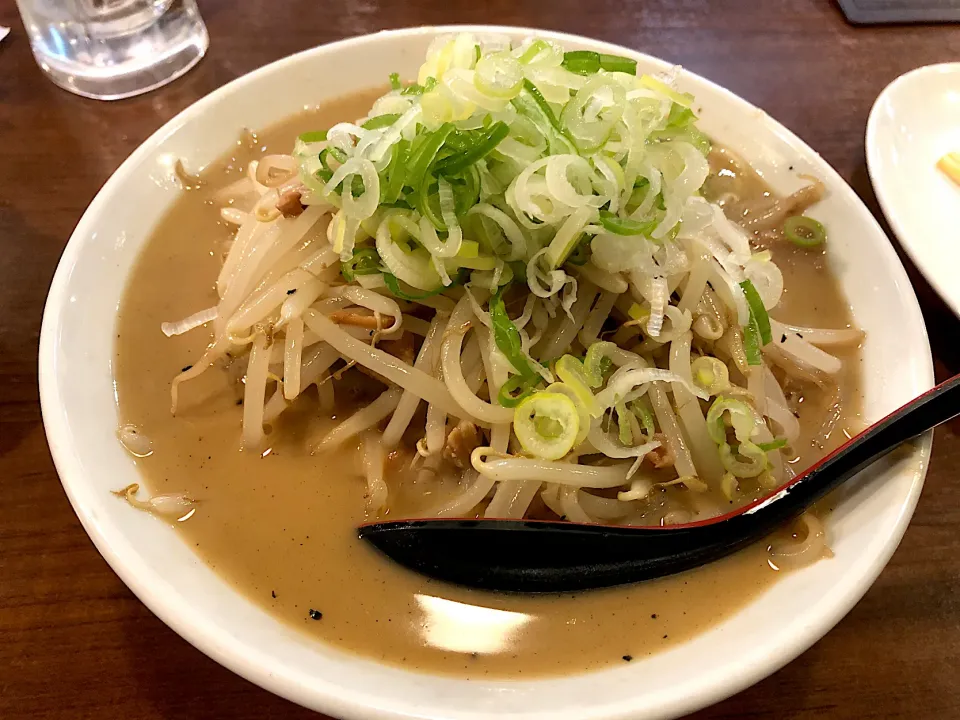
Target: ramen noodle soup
[{"x": 523, "y": 286}]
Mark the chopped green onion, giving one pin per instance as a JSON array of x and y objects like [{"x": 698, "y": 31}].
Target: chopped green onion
[
  {"x": 624, "y": 427},
  {"x": 571, "y": 372},
  {"x": 684, "y": 99},
  {"x": 323, "y": 174},
  {"x": 616, "y": 63},
  {"x": 696, "y": 138},
  {"x": 531, "y": 104},
  {"x": 583, "y": 62},
  {"x": 515, "y": 389},
  {"x": 751, "y": 342},
  {"x": 641, "y": 408},
  {"x": 393, "y": 285},
  {"x": 625, "y": 226},
  {"x": 542, "y": 104},
  {"x": 396, "y": 173},
  {"x": 356, "y": 186},
  {"x": 519, "y": 270},
  {"x": 729, "y": 486},
  {"x": 564, "y": 389},
  {"x": 532, "y": 50},
  {"x": 773, "y": 444},
  {"x": 427, "y": 154},
  {"x": 466, "y": 189},
  {"x": 593, "y": 362},
  {"x": 481, "y": 147},
  {"x": 757, "y": 311},
  {"x": 587, "y": 62},
  {"x": 743, "y": 418},
  {"x": 804, "y": 231},
  {"x": 499, "y": 76},
  {"x": 365, "y": 261},
  {"x": 711, "y": 374},
  {"x": 680, "y": 116},
  {"x": 380, "y": 121},
  {"x": 546, "y": 424},
  {"x": 313, "y": 137},
  {"x": 420, "y": 178},
  {"x": 638, "y": 313},
  {"x": 459, "y": 140},
  {"x": 395, "y": 83},
  {"x": 415, "y": 89},
  {"x": 507, "y": 337},
  {"x": 581, "y": 253},
  {"x": 747, "y": 460}
]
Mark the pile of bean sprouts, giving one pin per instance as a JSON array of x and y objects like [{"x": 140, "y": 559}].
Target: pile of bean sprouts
[{"x": 583, "y": 325}]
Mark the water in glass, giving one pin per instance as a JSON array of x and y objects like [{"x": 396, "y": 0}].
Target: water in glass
[{"x": 109, "y": 49}]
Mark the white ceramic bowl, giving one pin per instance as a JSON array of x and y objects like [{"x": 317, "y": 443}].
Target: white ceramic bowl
[
  {"x": 914, "y": 122},
  {"x": 76, "y": 383}
]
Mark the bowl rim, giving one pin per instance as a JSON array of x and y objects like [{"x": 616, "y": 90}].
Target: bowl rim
[
  {"x": 224, "y": 650},
  {"x": 888, "y": 205}
]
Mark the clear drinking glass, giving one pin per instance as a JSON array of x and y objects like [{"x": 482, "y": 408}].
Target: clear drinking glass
[{"x": 110, "y": 49}]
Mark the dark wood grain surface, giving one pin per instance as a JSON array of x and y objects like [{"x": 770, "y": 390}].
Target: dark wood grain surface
[{"x": 75, "y": 643}]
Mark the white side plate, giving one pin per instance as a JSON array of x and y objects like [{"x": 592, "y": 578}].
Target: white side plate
[{"x": 914, "y": 122}]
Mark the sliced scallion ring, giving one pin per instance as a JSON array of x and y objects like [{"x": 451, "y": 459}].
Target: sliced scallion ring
[
  {"x": 365, "y": 261},
  {"x": 564, "y": 389},
  {"x": 499, "y": 76},
  {"x": 570, "y": 371},
  {"x": 547, "y": 424},
  {"x": 746, "y": 461},
  {"x": 515, "y": 389},
  {"x": 711, "y": 374},
  {"x": 804, "y": 231},
  {"x": 742, "y": 417}
]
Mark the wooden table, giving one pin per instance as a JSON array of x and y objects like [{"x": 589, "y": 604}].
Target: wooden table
[{"x": 75, "y": 643}]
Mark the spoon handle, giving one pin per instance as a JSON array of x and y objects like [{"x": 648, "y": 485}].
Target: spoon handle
[{"x": 936, "y": 406}]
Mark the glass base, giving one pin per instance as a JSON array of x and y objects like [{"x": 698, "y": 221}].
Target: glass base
[
  {"x": 135, "y": 82},
  {"x": 101, "y": 62}
]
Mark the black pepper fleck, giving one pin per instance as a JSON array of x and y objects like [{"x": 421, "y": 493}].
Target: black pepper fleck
[
  {"x": 239, "y": 401},
  {"x": 273, "y": 594},
  {"x": 628, "y": 658},
  {"x": 654, "y": 616},
  {"x": 291, "y": 291},
  {"x": 791, "y": 167},
  {"x": 185, "y": 368},
  {"x": 315, "y": 614},
  {"x": 664, "y": 637},
  {"x": 783, "y": 338}
]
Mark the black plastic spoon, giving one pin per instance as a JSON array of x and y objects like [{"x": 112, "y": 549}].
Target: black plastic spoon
[{"x": 549, "y": 556}]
